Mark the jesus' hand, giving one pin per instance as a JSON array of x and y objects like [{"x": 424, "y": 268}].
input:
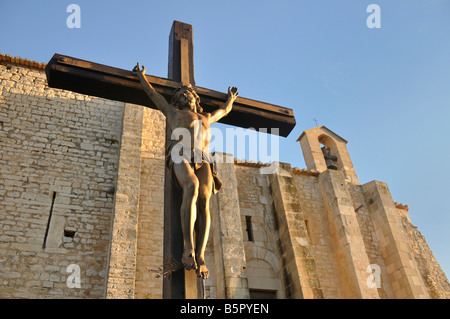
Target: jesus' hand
[
  {"x": 138, "y": 71},
  {"x": 232, "y": 93}
]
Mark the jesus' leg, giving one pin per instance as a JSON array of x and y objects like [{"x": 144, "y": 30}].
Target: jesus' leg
[
  {"x": 203, "y": 222},
  {"x": 189, "y": 183}
]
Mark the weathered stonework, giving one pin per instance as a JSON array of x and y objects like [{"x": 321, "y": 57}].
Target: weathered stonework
[
  {"x": 348, "y": 243},
  {"x": 229, "y": 258},
  {"x": 259, "y": 228},
  {"x": 301, "y": 278},
  {"x": 122, "y": 261},
  {"x": 428, "y": 266},
  {"x": 82, "y": 183},
  {"x": 62, "y": 143},
  {"x": 320, "y": 241},
  {"x": 400, "y": 263},
  {"x": 148, "y": 282}
]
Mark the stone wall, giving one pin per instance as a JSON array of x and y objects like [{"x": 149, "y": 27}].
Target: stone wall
[
  {"x": 403, "y": 272},
  {"x": 264, "y": 264},
  {"x": 300, "y": 276},
  {"x": 122, "y": 260},
  {"x": 319, "y": 234},
  {"x": 229, "y": 261},
  {"x": 151, "y": 208},
  {"x": 59, "y": 156},
  {"x": 370, "y": 239},
  {"x": 432, "y": 274}
]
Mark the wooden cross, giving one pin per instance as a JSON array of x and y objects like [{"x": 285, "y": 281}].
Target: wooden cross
[{"x": 122, "y": 85}]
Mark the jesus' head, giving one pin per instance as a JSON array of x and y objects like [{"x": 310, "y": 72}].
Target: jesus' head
[{"x": 186, "y": 98}]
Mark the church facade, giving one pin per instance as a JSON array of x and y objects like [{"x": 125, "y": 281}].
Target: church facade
[{"x": 82, "y": 199}]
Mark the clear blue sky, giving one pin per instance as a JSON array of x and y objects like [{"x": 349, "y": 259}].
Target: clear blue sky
[{"x": 386, "y": 90}]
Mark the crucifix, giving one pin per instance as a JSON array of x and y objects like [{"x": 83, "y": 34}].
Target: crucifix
[{"x": 136, "y": 87}]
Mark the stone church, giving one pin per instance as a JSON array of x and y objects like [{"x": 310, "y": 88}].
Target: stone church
[{"x": 81, "y": 210}]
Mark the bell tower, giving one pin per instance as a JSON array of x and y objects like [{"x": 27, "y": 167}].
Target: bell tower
[{"x": 323, "y": 149}]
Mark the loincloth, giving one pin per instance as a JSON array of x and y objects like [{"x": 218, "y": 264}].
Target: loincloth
[{"x": 197, "y": 159}]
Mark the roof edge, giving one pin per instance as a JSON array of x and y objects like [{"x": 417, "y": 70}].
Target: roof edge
[
  {"x": 24, "y": 62},
  {"x": 322, "y": 127}
]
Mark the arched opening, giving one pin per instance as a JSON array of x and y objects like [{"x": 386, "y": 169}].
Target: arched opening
[
  {"x": 330, "y": 152},
  {"x": 263, "y": 281}
]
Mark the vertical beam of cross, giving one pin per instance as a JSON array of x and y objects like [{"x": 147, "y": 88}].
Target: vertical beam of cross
[
  {"x": 181, "y": 53},
  {"x": 178, "y": 284}
]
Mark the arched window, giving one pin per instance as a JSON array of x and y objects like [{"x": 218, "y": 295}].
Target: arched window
[
  {"x": 329, "y": 151},
  {"x": 263, "y": 281}
]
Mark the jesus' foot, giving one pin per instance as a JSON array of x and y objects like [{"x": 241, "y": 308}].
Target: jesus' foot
[
  {"x": 188, "y": 259},
  {"x": 202, "y": 271}
]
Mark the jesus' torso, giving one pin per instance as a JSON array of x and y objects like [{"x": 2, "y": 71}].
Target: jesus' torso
[{"x": 197, "y": 124}]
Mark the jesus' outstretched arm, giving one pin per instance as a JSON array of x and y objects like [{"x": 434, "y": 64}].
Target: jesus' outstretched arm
[
  {"x": 226, "y": 107},
  {"x": 159, "y": 100}
]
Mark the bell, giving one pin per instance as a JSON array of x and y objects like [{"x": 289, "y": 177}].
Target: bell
[{"x": 330, "y": 164}]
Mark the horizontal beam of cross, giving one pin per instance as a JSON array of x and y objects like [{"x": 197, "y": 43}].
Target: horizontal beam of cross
[{"x": 64, "y": 72}]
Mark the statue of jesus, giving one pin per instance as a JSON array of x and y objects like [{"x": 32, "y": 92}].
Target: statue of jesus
[{"x": 194, "y": 172}]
